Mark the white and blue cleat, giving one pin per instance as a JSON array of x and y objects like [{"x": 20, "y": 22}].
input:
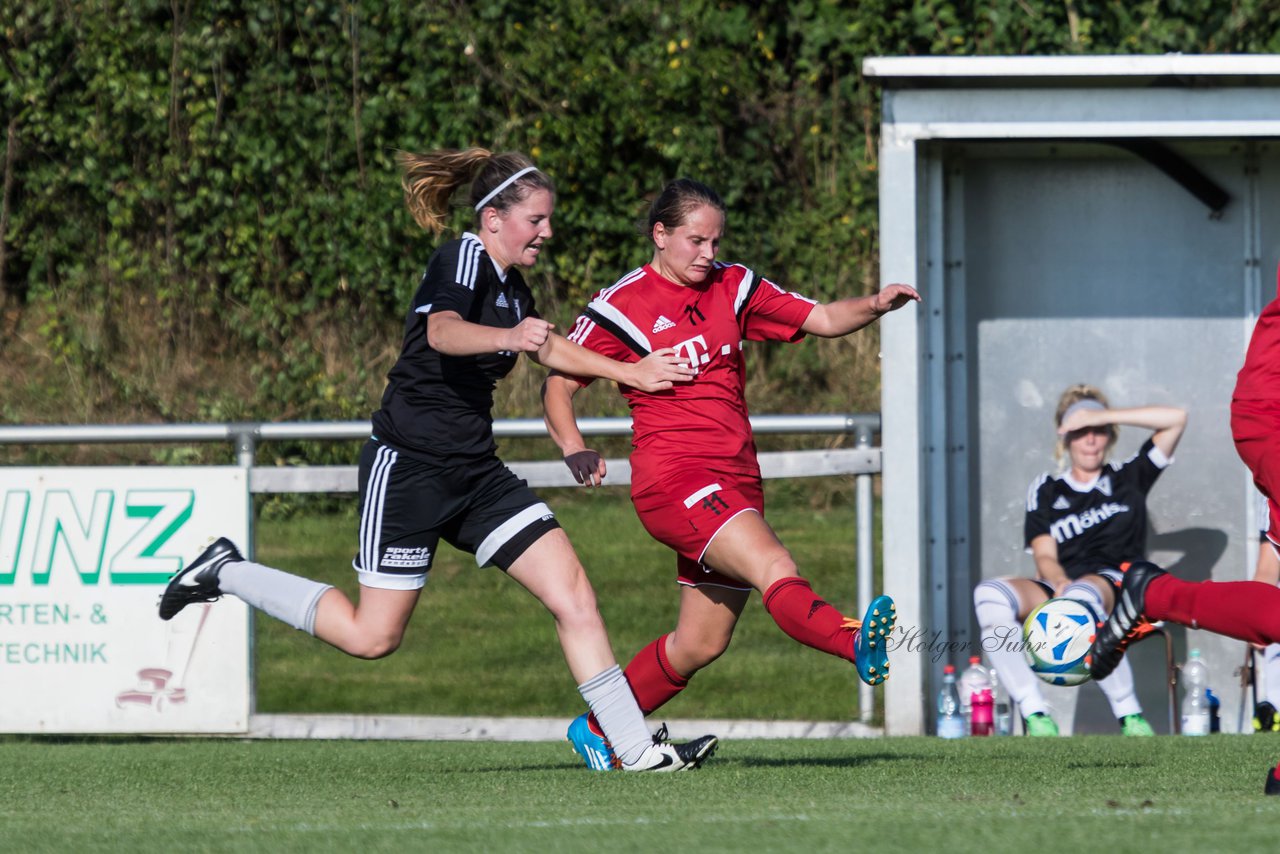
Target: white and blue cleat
[
  {"x": 871, "y": 640},
  {"x": 592, "y": 747}
]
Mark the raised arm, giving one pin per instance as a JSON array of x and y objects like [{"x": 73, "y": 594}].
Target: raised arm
[
  {"x": 587, "y": 466},
  {"x": 448, "y": 333},
  {"x": 1167, "y": 422},
  {"x": 658, "y": 371},
  {"x": 834, "y": 319}
]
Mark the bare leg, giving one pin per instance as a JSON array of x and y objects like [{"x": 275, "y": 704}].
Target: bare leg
[
  {"x": 372, "y": 627},
  {"x": 663, "y": 669},
  {"x": 747, "y": 549},
  {"x": 1001, "y": 604},
  {"x": 551, "y": 571},
  {"x": 705, "y": 626}
]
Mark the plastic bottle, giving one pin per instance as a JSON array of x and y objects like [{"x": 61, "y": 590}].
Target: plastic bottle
[
  {"x": 950, "y": 721},
  {"x": 1000, "y": 700},
  {"x": 1195, "y": 702},
  {"x": 975, "y": 678},
  {"x": 981, "y": 720}
]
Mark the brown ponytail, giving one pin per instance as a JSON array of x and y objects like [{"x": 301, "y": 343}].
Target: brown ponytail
[{"x": 430, "y": 180}]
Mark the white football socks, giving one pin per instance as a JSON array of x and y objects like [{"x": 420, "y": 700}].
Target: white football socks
[
  {"x": 289, "y": 598},
  {"x": 996, "y": 605},
  {"x": 609, "y": 696},
  {"x": 1119, "y": 688}
]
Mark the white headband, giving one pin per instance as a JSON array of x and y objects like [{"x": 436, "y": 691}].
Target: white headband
[
  {"x": 1081, "y": 404},
  {"x": 507, "y": 183}
]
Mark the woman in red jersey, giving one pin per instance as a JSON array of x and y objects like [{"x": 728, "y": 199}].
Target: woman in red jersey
[
  {"x": 1247, "y": 610},
  {"x": 695, "y": 479}
]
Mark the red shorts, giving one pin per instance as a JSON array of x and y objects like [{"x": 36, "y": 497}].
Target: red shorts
[
  {"x": 686, "y": 511},
  {"x": 1255, "y": 427}
]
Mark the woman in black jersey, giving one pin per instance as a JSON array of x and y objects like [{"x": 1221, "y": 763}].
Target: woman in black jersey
[
  {"x": 430, "y": 469},
  {"x": 1080, "y": 526}
]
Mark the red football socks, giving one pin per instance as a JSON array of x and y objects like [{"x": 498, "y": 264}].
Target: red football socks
[
  {"x": 652, "y": 678},
  {"x": 1247, "y": 610},
  {"x": 803, "y": 616}
]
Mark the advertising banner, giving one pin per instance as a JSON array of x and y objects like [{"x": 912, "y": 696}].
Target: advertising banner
[{"x": 84, "y": 556}]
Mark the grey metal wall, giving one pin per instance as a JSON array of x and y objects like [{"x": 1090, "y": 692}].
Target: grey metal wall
[{"x": 1079, "y": 262}]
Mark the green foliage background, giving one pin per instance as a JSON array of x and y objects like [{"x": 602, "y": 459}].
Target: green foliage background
[{"x": 201, "y": 219}]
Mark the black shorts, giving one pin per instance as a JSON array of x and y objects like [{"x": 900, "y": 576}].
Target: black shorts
[
  {"x": 407, "y": 506},
  {"x": 1111, "y": 574}
]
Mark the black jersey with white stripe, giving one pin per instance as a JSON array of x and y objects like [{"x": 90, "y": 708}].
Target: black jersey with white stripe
[
  {"x": 1099, "y": 524},
  {"x": 436, "y": 407}
]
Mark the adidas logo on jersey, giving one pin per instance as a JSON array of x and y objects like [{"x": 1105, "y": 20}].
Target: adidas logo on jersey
[
  {"x": 1062, "y": 503},
  {"x": 502, "y": 300},
  {"x": 662, "y": 324}
]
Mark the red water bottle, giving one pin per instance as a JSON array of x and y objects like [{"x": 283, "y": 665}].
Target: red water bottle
[{"x": 982, "y": 722}]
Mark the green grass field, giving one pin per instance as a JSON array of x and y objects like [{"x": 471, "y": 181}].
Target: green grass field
[
  {"x": 1100, "y": 793},
  {"x": 480, "y": 645}
]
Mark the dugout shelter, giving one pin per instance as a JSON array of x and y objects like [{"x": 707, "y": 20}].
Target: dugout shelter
[{"x": 1112, "y": 220}]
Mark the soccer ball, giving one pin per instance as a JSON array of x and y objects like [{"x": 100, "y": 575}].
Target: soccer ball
[{"x": 1056, "y": 638}]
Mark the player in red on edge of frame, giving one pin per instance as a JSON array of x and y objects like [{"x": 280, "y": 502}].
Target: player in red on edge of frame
[
  {"x": 1247, "y": 610},
  {"x": 695, "y": 478}
]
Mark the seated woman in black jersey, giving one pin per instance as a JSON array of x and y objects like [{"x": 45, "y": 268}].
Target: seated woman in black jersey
[
  {"x": 430, "y": 470},
  {"x": 1074, "y": 559}
]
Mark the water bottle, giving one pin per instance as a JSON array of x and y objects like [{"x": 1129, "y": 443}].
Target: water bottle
[
  {"x": 1195, "y": 703},
  {"x": 1000, "y": 700},
  {"x": 950, "y": 721},
  {"x": 981, "y": 719},
  {"x": 974, "y": 679}
]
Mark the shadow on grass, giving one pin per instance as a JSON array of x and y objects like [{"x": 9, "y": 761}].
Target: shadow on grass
[
  {"x": 817, "y": 761},
  {"x": 103, "y": 738}
]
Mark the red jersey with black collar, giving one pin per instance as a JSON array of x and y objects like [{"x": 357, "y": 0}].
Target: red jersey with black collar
[
  {"x": 1259, "y": 379},
  {"x": 703, "y": 422}
]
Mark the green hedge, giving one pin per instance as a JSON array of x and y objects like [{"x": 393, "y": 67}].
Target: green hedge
[{"x": 192, "y": 185}]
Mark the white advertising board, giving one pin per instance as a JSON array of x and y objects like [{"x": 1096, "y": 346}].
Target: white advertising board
[{"x": 84, "y": 556}]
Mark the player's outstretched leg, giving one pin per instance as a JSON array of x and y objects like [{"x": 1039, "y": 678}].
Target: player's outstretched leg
[
  {"x": 870, "y": 640},
  {"x": 199, "y": 581},
  {"x": 591, "y": 744},
  {"x": 1126, "y": 622}
]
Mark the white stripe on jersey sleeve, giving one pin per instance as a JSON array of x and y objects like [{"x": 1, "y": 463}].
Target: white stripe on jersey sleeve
[
  {"x": 468, "y": 261},
  {"x": 744, "y": 291},
  {"x": 624, "y": 324},
  {"x": 1158, "y": 457},
  {"x": 1033, "y": 493},
  {"x": 626, "y": 279},
  {"x": 602, "y": 307},
  {"x": 581, "y": 330}
]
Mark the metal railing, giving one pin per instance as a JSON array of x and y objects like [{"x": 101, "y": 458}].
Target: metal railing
[{"x": 861, "y": 461}]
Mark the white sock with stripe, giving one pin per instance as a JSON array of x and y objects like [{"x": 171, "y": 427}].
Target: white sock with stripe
[{"x": 996, "y": 605}]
